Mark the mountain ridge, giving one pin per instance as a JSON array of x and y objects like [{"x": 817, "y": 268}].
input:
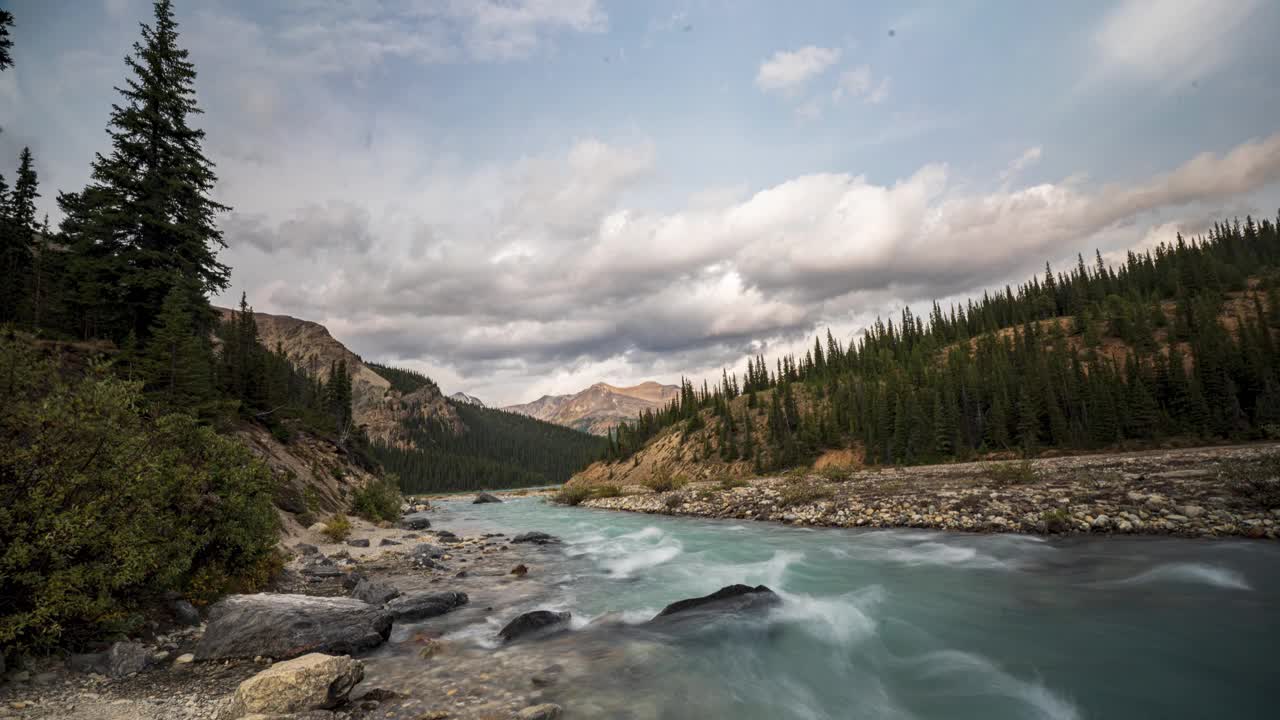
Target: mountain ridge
[{"x": 600, "y": 407}]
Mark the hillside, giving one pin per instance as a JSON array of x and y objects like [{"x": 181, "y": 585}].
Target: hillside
[
  {"x": 377, "y": 404},
  {"x": 1179, "y": 346},
  {"x": 599, "y": 408},
  {"x": 469, "y": 399}
]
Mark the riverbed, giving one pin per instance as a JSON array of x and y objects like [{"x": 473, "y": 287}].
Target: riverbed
[{"x": 873, "y": 623}]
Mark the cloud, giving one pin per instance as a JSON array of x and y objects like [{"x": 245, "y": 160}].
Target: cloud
[
  {"x": 859, "y": 83},
  {"x": 1029, "y": 157},
  {"x": 787, "y": 71},
  {"x": 558, "y": 271},
  {"x": 1170, "y": 44}
]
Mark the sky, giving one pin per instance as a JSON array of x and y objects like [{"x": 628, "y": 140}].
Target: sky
[{"x": 524, "y": 197}]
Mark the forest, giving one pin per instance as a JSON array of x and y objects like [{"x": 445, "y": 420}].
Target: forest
[
  {"x": 499, "y": 449},
  {"x": 1179, "y": 342}
]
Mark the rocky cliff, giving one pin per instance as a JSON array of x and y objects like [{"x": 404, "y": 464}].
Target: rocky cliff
[
  {"x": 600, "y": 407},
  {"x": 377, "y": 406}
]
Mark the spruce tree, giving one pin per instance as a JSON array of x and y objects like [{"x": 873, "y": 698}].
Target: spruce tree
[
  {"x": 17, "y": 238},
  {"x": 6, "y": 43},
  {"x": 177, "y": 362},
  {"x": 151, "y": 195}
]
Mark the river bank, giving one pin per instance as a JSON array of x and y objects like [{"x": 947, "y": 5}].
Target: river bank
[{"x": 1227, "y": 491}]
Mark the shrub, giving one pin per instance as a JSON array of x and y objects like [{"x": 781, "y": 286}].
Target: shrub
[
  {"x": 674, "y": 501},
  {"x": 378, "y": 500},
  {"x": 1013, "y": 473},
  {"x": 1257, "y": 481},
  {"x": 663, "y": 481},
  {"x": 103, "y": 508},
  {"x": 337, "y": 528},
  {"x": 803, "y": 494},
  {"x": 571, "y": 495},
  {"x": 606, "y": 491},
  {"x": 834, "y": 473},
  {"x": 729, "y": 483}
]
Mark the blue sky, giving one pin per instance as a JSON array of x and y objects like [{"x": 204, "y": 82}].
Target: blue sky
[{"x": 528, "y": 196}]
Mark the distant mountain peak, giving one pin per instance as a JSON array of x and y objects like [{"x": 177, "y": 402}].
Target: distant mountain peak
[
  {"x": 600, "y": 407},
  {"x": 469, "y": 399}
]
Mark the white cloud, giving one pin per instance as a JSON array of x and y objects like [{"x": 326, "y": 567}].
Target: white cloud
[
  {"x": 555, "y": 275},
  {"x": 1029, "y": 157},
  {"x": 859, "y": 83},
  {"x": 787, "y": 71},
  {"x": 1168, "y": 43}
]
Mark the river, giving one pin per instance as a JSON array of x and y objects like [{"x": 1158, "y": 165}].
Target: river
[{"x": 894, "y": 623}]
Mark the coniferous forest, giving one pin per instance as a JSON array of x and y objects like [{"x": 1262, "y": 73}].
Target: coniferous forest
[
  {"x": 499, "y": 449},
  {"x": 1178, "y": 342}
]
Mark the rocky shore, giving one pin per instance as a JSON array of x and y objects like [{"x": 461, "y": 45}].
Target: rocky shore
[
  {"x": 385, "y": 596},
  {"x": 1202, "y": 492}
]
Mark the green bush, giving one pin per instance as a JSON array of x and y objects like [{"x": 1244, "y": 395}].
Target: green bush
[
  {"x": 104, "y": 508},
  {"x": 606, "y": 491},
  {"x": 729, "y": 482},
  {"x": 337, "y": 528},
  {"x": 378, "y": 500},
  {"x": 572, "y": 495},
  {"x": 663, "y": 481},
  {"x": 803, "y": 493},
  {"x": 1013, "y": 473}
]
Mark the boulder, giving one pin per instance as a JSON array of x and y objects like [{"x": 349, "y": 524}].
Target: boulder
[
  {"x": 545, "y": 711},
  {"x": 374, "y": 592},
  {"x": 305, "y": 549},
  {"x": 731, "y": 599},
  {"x": 310, "y": 682},
  {"x": 384, "y": 542},
  {"x": 538, "y": 538},
  {"x": 184, "y": 612},
  {"x": 484, "y": 497},
  {"x": 416, "y": 521},
  {"x": 420, "y": 606},
  {"x": 530, "y": 623},
  {"x": 358, "y": 542},
  {"x": 318, "y": 566},
  {"x": 425, "y": 555},
  {"x": 120, "y": 660},
  {"x": 352, "y": 579},
  {"x": 286, "y": 626}
]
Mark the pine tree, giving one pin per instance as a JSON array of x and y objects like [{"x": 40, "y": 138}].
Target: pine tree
[
  {"x": 17, "y": 238},
  {"x": 152, "y": 194},
  {"x": 177, "y": 362},
  {"x": 6, "y": 44}
]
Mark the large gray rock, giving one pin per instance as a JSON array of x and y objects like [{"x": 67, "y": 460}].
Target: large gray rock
[
  {"x": 535, "y": 537},
  {"x": 286, "y": 626},
  {"x": 120, "y": 660},
  {"x": 421, "y": 606},
  {"x": 484, "y": 497},
  {"x": 731, "y": 599},
  {"x": 374, "y": 592},
  {"x": 416, "y": 521},
  {"x": 424, "y": 556},
  {"x": 530, "y": 623},
  {"x": 310, "y": 682}
]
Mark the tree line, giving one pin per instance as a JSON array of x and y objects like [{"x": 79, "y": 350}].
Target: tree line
[
  {"x": 1178, "y": 341},
  {"x": 499, "y": 449}
]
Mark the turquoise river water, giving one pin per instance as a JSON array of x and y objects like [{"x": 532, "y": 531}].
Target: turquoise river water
[{"x": 912, "y": 624}]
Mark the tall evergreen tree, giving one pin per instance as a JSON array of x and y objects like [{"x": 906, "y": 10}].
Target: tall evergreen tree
[
  {"x": 6, "y": 43},
  {"x": 151, "y": 195},
  {"x": 17, "y": 238}
]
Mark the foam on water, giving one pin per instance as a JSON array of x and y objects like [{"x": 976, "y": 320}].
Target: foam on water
[
  {"x": 1190, "y": 573},
  {"x": 972, "y": 674},
  {"x": 842, "y": 620},
  {"x": 936, "y": 553}
]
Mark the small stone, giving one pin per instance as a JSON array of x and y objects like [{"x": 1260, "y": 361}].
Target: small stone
[
  {"x": 1102, "y": 522},
  {"x": 520, "y": 570},
  {"x": 387, "y": 541},
  {"x": 185, "y": 659},
  {"x": 358, "y": 542},
  {"x": 1192, "y": 511}
]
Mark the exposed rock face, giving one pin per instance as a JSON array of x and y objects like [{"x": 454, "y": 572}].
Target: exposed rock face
[
  {"x": 312, "y": 474},
  {"x": 484, "y": 497},
  {"x": 374, "y": 403},
  {"x": 468, "y": 399},
  {"x": 731, "y": 599},
  {"x": 600, "y": 407},
  {"x": 421, "y": 606},
  {"x": 532, "y": 622},
  {"x": 286, "y": 626},
  {"x": 310, "y": 682}
]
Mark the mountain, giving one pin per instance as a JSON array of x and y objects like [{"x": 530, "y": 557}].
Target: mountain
[
  {"x": 379, "y": 404},
  {"x": 468, "y": 399},
  {"x": 599, "y": 408}
]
